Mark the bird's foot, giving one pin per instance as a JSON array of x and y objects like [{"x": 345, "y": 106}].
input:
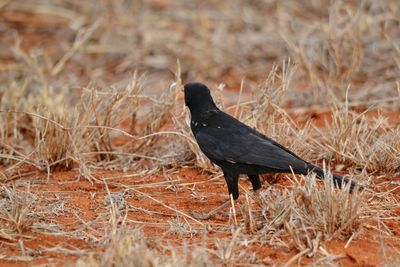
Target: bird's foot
[
  {"x": 257, "y": 197},
  {"x": 205, "y": 216},
  {"x": 201, "y": 215},
  {"x": 257, "y": 194}
]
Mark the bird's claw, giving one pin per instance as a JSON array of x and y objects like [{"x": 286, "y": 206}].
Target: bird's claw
[{"x": 201, "y": 215}]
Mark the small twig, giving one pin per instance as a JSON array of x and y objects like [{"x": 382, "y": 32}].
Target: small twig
[
  {"x": 296, "y": 257},
  {"x": 81, "y": 37},
  {"x": 233, "y": 209},
  {"x": 166, "y": 206},
  {"x": 349, "y": 241}
]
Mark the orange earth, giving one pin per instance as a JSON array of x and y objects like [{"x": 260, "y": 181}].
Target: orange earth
[
  {"x": 153, "y": 202},
  {"x": 86, "y": 201}
]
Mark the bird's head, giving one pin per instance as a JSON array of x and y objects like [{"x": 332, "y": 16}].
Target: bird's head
[{"x": 198, "y": 97}]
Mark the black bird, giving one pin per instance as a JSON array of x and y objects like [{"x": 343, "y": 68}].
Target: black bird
[{"x": 238, "y": 148}]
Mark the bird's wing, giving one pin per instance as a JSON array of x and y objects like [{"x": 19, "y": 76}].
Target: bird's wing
[{"x": 248, "y": 147}]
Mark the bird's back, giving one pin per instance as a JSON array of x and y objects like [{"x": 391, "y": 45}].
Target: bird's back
[{"x": 224, "y": 138}]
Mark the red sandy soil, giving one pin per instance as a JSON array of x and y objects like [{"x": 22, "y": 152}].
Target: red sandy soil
[
  {"x": 321, "y": 118},
  {"x": 186, "y": 190},
  {"x": 87, "y": 200}
]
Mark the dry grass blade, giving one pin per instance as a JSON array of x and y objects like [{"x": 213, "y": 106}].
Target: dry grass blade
[
  {"x": 130, "y": 248},
  {"x": 93, "y": 90},
  {"x": 15, "y": 210},
  {"x": 309, "y": 213},
  {"x": 82, "y": 36},
  {"x": 355, "y": 139}
]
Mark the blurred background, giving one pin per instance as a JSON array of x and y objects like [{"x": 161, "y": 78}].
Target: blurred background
[
  {"x": 335, "y": 45},
  {"x": 91, "y": 94}
]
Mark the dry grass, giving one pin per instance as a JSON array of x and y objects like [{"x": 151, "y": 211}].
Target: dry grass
[
  {"x": 16, "y": 210},
  {"x": 308, "y": 214},
  {"x": 130, "y": 248},
  {"x": 90, "y": 87},
  {"x": 22, "y": 211},
  {"x": 350, "y": 42},
  {"x": 357, "y": 140}
]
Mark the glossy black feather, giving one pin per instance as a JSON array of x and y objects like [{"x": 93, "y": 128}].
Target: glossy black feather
[
  {"x": 237, "y": 148},
  {"x": 233, "y": 142}
]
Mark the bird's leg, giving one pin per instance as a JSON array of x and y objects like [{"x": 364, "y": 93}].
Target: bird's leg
[
  {"x": 255, "y": 182},
  {"x": 257, "y": 192},
  {"x": 257, "y": 196},
  {"x": 204, "y": 216},
  {"x": 233, "y": 189}
]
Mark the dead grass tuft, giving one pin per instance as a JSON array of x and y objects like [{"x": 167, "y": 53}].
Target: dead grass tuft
[
  {"x": 71, "y": 98},
  {"x": 130, "y": 248},
  {"x": 15, "y": 211},
  {"x": 308, "y": 214},
  {"x": 355, "y": 139},
  {"x": 334, "y": 49}
]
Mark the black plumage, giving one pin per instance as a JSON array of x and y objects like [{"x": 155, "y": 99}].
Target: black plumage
[{"x": 238, "y": 148}]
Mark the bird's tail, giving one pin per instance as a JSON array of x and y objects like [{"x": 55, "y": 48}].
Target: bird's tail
[{"x": 338, "y": 180}]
